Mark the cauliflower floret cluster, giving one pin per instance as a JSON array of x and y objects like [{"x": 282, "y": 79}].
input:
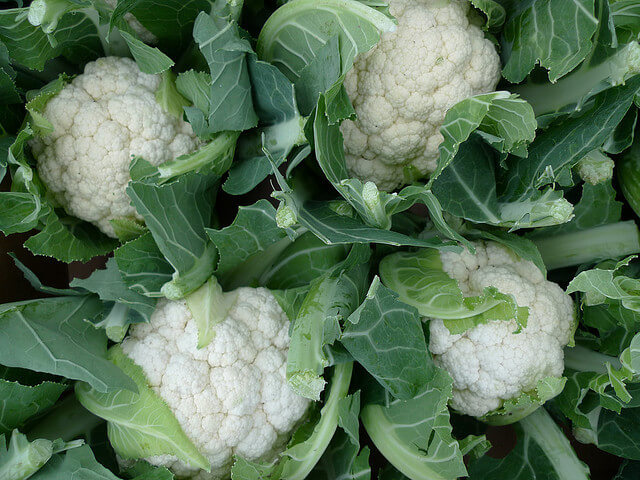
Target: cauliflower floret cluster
[
  {"x": 231, "y": 397},
  {"x": 402, "y": 88},
  {"x": 490, "y": 363},
  {"x": 100, "y": 120}
]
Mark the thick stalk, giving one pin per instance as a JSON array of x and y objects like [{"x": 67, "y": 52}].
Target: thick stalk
[
  {"x": 555, "y": 445},
  {"x": 589, "y": 246},
  {"x": 573, "y": 88},
  {"x": 583, "y": 359}
]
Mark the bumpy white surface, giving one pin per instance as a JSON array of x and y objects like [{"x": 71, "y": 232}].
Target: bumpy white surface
[
  {"x": 402, "y": 88},
  {"x": 489, "y": 363},
  {"x": 231, "y": 397},
  {"x": 101, "y": 119}
]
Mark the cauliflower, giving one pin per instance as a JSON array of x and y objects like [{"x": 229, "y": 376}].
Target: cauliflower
[
  {"x": 230, "y": 397},
  {"x": 403, "y": 87},
  {"x": 100, "y": 120},
  {"x": 490, "y": 363}
]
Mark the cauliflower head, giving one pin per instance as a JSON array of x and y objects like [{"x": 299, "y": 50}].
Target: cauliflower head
[
  {"x": 402, "y": 88},
  {"x": 100, "y": 120},
  {"x": 490, "y": 363},
  {"x": 230, "y": 397}
]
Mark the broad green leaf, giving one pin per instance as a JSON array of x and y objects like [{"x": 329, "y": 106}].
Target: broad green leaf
[
  {"x": 142, "y": 266},
  {"x": 467, "y": 188},
  {"x": 505, "y": 121},
  {"x": 626, "y": 17},
  {"x": 21, "y": 212},
  {"x": 558, "y": 148},
  {"x": 599, "y": 284},
  {"x": 385, "y": 336},
  {"x": 334, "y": 228},
  {"x": 76, "y": 463},
  {"x": 415, "y": 435},
  {"x": 109, "y": 286},
  {"x": 76, "y": 38},
  {"x": 179, "y": 232},
  {"x": 342, "y": 460},
  {"x": 555, "y": 35},
  {"x": 170, "y": 21},
  {"x": 301, "y": 262},
  {"x": 281, "y": 127},
  {"x": 20, "y": 402},
  {"x": 149, "y": 59},
  {"x": 144, "y": 471},
  {"x": 612, "y": 426},
  {"x": 420, "y": 281},
  {"x": 494, "y": 12},
  {"x": 69, "y": 239},
  {"x": 297, "y": 30},
  {"x": 225, "y": 49},
  {"x": 55, "y": 336},
  {"x": 253, "y": 230},
  {"x": 139, "y": 425}
]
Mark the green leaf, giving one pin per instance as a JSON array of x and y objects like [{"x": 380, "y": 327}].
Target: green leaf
[
  {"x": 215, "y": 157},
  {"x": 281, "y": 127},
  {"x": 297, "y": 30},
  {"x": 542, "y": 448},
  {"x": 330, "y": 299},
  {"x": 76, "y": 463},
  {"x": 601, "y": 283},
  {"x": 302, "y": 262},
  {"x": 139, "y": 425},
  {"x": 54, "y": 336},
  {"x": 170, "y": 21},
  {"x": 20, "y": 402},
  {"x": 144, "y": 471},
  {"x": 149, "y": 59},
  {"x": 555, "y": 35},
  {"x": 142, "y": 266},
  {"x": 467, "y": 188},
  {"x": 333, "y": 228},
  {"x": 385, "y": 336},
  {"x": 415, "y": 435},
  {"x": 225, "y": 49},
  {"x": 558, "y": 148},
  {"x": 303, "y": 453},
  {"x": 505, "y": 121},
  {"x": 419, "y": 281},
  {"x": 23, "y": 458},
  {"x": 109, "y": 286},
  {"x": 341, "y": 460},
  {"x": 494, "y": 12},
  {"x": 76, "y": 37},
  {"x": 253, "y": 230},
  {"x": 179, "y": 232},
  {"x": 209, "y": 306},
  {"x": 373, "y": 206},
  {"x": 69, "y": 239}
]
